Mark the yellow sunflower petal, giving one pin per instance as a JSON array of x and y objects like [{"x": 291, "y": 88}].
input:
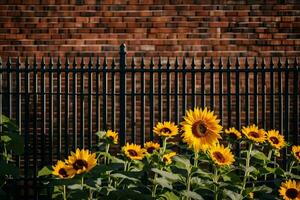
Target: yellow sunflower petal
[
  {"x": 255, "y": 134},
  {"x": 296, "y": 152},
  {"x": 82, "y": 161},
  {"x": 62, "y": 170},
  {"x": 166, "y": 129},
  {"x": 201, "y": 129},
  {"x": 167, "y": 158},
  {"x": 220, "y": 155},
  {"x": 275, "y": 139},
  {"x": 290, "y": 190},
  {"x": 151, "y": 146},
  {"x": 112, "y": 136},
  {"x": 233, "y": 133},
  {"x": 133, "y": 151}
]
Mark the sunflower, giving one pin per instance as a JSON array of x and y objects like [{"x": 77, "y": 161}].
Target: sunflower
[
  {"x": 133, "y": 151},
  {"x": 167, "y": 158},
  {"x": 82, "y": 160},
  {"x": 251, "y": 195},
  {"x": 62, "y": 170},
  {"x": 201, "y": 129},
  {"x": 112, "y": 136},
  {"x": 233, "y": 133},
  {"x": 290, "y": 190},
  {"x": 151, "y": 146},
  {"x": 220, "y": 155},
  {"x": 253, "y": 133},
  {"x": 296, "y": 152},
  {"x": 166, "y": 129},
  {"x": 275, "y": 139}
]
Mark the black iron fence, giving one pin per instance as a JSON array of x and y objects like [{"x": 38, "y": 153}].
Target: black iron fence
[{"x": 59, "y": 106}]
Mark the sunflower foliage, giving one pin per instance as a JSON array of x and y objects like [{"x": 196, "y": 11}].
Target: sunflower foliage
[
  {"x": 11, "y": 143},
  {"x": 196, "y": 159}
]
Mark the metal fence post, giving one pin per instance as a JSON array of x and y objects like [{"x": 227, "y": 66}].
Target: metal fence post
[{"x": 122, "y": 94}]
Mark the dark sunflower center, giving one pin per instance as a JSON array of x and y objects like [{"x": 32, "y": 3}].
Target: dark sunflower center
[
  {"x": 254, "y": 134},
  {"x": 111, "y": 138},
  {"x": 79, "y": 164},
  {"x": 150, "y": 149},
  {"x": 132, "y": 152},
  {"x": 291, "y": 193},
  {"x": 219, "y": 156},
  {"x": 233, "y": 135},
  {"x": 199, "y": 129},
  {"x": 274, "y": 140},
  {"x": 165, "y": 159},
  {"x": 63, "y": 172},
  {"x": 165, "y": 130}
]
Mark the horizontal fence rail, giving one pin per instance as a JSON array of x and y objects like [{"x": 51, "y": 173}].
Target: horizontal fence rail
[{"x": 60, "y": 104}]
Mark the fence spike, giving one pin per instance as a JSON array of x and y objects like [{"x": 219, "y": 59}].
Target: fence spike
[
  {"x": 159, "y": 61},
  {"x": 286, "y": 62},
  {"x": 51, "y": 62},
  {"x": 228, "y": 63},
  {"x": 105, "y": 62},
  {"x": 271, "y": 62},
  {"x": 220, "y": 63},
  {"x": 295, "y": 63},
  {"x": 151, "y": 62},
  {"x": 74, "y": 62},
  {"x": 246, "y": 63},
  {"x": 211, "y": 62},
  {"x": 82, "y": 62},
  {"x": 43, "y": 62},
  {"x": 168, "y": 63},
  {"x": 202, "y": 63},
  {"x": 255, "y": 63},
  {"x": 237, "y": 63},
  {"x": 97, "y": 62},
  {"x": 193, "y": 62},
  {"x": 132, "y": 62},
  {"x": 263, "y": 62},
  {"x": 67, "y": 62},
  {"x": 18, "y": 62},
  {"x": 26, "y": 61},
  {"x": 8, "y": 62},
  {"x": 113, "y": 64},
  {"x": 279, "y": 62},
  {"x": 183, "y": 64},
  {"x": 58, "y": 62},
  {"x": 0, "y": 60},
  {"x": 142, "y": 62},
  {"x": 90, "y": 61},
  {"x": 176, "y": 62}
]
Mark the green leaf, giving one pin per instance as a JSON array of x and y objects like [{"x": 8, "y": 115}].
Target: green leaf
[
  {"x": 101, "y": 134},
  {"x": 263, "y": 188},
  {"x": 169, "y": 196},
  {"x": 16, "y": 144},
  {"x": 259, "y": 155},
  {"x": 232, "y": 177},
  {"x": 232, "y": 195},
  {"x": 163, "y": 183},
  {"x": 45, "y": 171},
  {"x": 181, "y": 162},
  {"x": 123, "y": 176},
  {"x": 168, "y": 175},
  {"x": 8, "y": 169},
  {"x": 5, "y": 138},
  {"x": 75, "y": 187},
  {"x": 193, "y": 195}
]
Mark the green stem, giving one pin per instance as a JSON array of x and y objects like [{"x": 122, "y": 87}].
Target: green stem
[
  {"x": 82, "y": 181},
  {"x": 291, "y": 166},
  {"x": 269, "y": 158},
  {"x": 164, "y": 145},
  {"x": 216, "y": 188},
  {"x": 247, "y": 168},
  {"x": 5, "y": 153},
  {"x": 196, "y": 157},
  {"x": 65, "y": 193},
  {"x": 188, "y": 183},
  {"x": 155, "y": 186}
]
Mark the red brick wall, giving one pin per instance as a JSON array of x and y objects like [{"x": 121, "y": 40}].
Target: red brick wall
[{"x": 150, "y": 27}]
